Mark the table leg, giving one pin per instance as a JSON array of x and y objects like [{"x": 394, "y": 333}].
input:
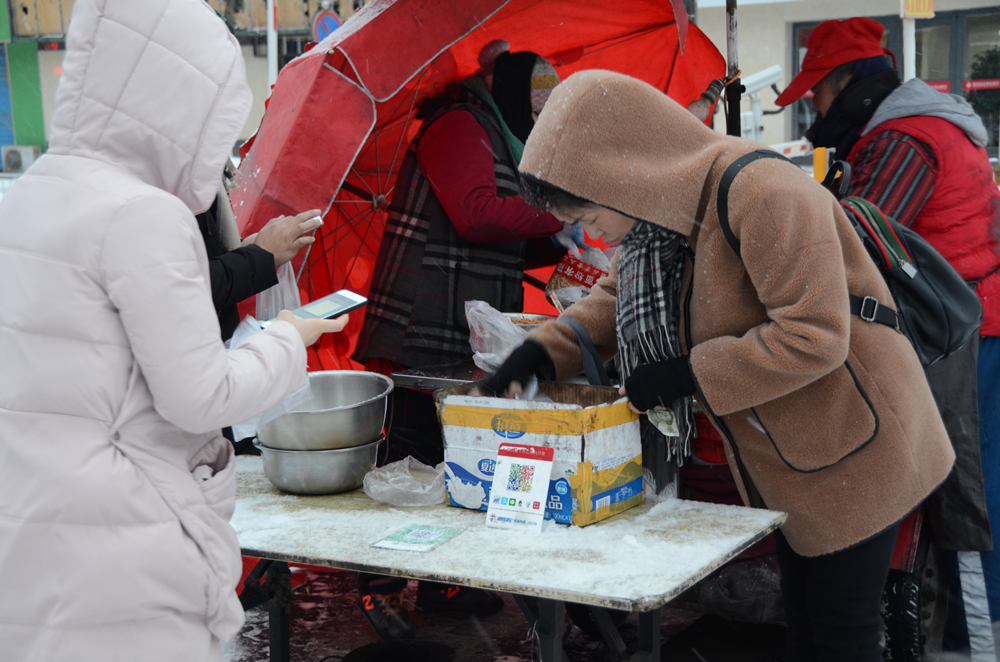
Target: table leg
[
  {"x": 279, "y": 612},
  {"x": 548, "y": 619},
  {"x": 549, "y": 626},
  {"x": 649, "y": 637},
  {"x": 612, "y": 638}
]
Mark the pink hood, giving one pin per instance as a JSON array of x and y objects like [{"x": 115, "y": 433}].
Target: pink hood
[
  {"x": 116, "y": 485},
  {"x": 142, "y": 90}
]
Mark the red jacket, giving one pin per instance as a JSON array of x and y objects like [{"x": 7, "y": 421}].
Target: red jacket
[{"x": 960, "y": 215}]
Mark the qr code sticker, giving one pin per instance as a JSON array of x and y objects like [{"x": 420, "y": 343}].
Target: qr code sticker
[
  {"x": 422, "y": 535},
  {"x": 520, "y": 478},
  {"x": 514, "y": 478}
]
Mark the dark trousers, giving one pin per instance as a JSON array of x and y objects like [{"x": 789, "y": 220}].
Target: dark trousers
[
  {"x": 414, "y": 428},
  {"x": 832, "y": 601}
]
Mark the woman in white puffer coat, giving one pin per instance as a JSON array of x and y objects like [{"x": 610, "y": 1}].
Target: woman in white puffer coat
[{"x": 115, "y": 484}]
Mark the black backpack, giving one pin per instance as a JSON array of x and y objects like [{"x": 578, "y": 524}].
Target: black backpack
[{"x": 934, "y": 307}]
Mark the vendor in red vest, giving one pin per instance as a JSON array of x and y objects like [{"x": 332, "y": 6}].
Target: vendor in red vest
[{"x": 917, "y": 154}]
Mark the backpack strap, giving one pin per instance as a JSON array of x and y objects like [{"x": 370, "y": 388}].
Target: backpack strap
[
  {"x": 867, "y": 308},
  {"x": 592, "y": 365},
  {"x": 870, "y": 310},
  {"x": 722, "y": 203}
]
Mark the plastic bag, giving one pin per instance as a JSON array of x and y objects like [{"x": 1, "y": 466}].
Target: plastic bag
[
  {"x": 283, "y": 296},
  {"x": 567, "y": 296},
  {"x": 595, "y": 257},
  {"x": 247, "y": 329},
  {"x": 574, "y": 276},
  {"x": 493, "y": 335},
  {"x": 408, "y": 482}
]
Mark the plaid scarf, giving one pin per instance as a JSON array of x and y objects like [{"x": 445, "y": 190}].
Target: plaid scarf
[{"x": 650, "y": 263}]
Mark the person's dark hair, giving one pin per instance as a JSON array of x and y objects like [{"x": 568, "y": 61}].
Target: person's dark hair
[
  {"x": 840, "y": 76},
  {"x": 512, "y": 91},
  {"x": 546, "y": 196},
  {"x": 452, "y": 93}
]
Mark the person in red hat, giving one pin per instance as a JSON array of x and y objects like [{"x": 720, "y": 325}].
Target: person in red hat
[{"x": 918, "y": 154}]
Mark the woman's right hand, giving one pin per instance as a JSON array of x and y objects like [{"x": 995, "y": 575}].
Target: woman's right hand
[
  {"x": 311, "y": 330},
  {"x": 522, "y": 363}
]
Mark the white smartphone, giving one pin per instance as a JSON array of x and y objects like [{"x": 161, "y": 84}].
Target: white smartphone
[{"x": 332, "y": 305}]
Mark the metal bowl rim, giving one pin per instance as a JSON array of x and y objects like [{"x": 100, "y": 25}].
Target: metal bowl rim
[
  {"x": 384, "y": 394},
  {"x": 258, "y": 444}
]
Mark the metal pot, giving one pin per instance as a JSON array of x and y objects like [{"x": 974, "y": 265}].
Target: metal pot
[
  {"x": 347, "y": 409},
  {"x": 319, "y": 472}
]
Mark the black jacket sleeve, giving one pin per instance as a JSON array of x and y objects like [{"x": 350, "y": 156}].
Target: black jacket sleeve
[{"x": 240, "y": 274}]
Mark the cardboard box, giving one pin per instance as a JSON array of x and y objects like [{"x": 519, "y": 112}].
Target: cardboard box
[{"x": 597, "y": 467}]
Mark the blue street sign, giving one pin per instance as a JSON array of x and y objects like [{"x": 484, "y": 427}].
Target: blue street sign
[{"x": 324, "y": 24}]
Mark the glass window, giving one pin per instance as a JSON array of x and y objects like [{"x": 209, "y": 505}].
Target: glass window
[
  {"x": 982, "y": 68},
  {"x": 933, "y": 64}
]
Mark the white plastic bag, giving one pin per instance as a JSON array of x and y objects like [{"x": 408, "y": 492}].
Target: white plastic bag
[
  {"x": 408, "y": 482},
  {"x": 248, "y": 328},
  {"x": 567, "y": 296},
  {"x": 597, "y": 258},
  {"x": 493, "y": 335},
  {"x": 283, "y": 296}
]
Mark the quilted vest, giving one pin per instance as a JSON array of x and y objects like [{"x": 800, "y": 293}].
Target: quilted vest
[
  {"x": 961, "y": 218},
  {"x": 425, "y": 272}
]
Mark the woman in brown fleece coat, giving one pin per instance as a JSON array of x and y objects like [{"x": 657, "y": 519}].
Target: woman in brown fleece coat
[{"x": 826, "y": 416}]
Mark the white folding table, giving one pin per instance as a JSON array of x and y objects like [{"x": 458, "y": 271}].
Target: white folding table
[{"x": 637, "y": 560}]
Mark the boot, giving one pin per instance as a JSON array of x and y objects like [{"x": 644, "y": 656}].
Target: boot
[
  {"x": 451, "y": 599},
  {"x": 381, "y": 600}
]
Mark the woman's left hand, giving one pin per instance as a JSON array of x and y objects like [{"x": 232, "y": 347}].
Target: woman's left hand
[
  {"x": 658, "y": 384},
  {"x": 631, "y": 406}
]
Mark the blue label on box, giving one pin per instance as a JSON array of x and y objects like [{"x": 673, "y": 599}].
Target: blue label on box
[
  {"x": 617, "y": 495},
  {"x": 557, "y": 507}
]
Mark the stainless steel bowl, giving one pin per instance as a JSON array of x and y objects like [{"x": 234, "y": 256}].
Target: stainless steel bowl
[
  {"x": 347, "y": 409},
  {"x": 318, "y": 472}
]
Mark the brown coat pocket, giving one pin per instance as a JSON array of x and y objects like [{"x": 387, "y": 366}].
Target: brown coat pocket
[{"x": 820, "y": 424}]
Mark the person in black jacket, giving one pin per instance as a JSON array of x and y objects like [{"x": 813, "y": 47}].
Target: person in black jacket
[{"x": 239, "y": 270}]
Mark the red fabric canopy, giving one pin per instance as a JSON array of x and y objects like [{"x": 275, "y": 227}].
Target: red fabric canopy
[{"x": 340, "y": 117}]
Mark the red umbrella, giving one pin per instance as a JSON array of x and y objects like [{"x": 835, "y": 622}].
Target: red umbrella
[{"x": 340, "y": 116}]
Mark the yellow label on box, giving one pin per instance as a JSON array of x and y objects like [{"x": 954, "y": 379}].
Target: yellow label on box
[
  {"x": 537, "y": 421},
  {"x": 588, "y": 484}
]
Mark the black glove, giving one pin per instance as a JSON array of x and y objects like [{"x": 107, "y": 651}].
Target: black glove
[
  {"x": 714, "y": 90},
  {"x": 659, "y": 384},
  {"x": 522, "y": 363}
]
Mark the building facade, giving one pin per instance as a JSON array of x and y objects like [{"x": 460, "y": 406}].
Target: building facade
[{"x": 957, "y": 51}]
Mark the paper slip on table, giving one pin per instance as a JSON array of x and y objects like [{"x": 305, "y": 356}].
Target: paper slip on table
[{"x": 637, "y": 560}]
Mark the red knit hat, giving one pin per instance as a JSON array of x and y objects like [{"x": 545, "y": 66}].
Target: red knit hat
[{"x": 832, "y": 44}]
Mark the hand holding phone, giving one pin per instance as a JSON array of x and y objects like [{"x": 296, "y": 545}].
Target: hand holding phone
[
  {"x": 311, "y": 330},
  {"x": 317, "y": 317},
  {"x": 332, "y": 305}
]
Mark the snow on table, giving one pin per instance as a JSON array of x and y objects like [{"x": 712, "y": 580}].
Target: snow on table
[{"x": 637, "y": 560}]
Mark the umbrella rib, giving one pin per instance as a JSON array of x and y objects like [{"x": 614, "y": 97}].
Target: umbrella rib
[
  {"x": 362, "y": 180},
  {"x": 347, "y": 278},
  {"x": 336, "y": 241},
  {"x": 378, "y": 167},
  {"x": 402, "y": 132}
]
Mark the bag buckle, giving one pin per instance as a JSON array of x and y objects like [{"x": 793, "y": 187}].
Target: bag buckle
[{"x": 874, "y": 309}]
